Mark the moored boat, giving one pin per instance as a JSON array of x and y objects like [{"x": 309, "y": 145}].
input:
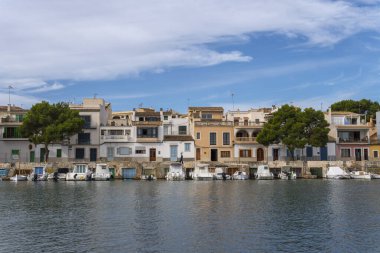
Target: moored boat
[
  {"x": 175, "y": 172},
  {"x": 102, "y": 172},
  {"x": 240, "y": 175},
  {"x": 375, "y": 176},
  {"x": 81, "y": 172},
  {"x": 263, "y": 173},
  {"x": 17, "y": 178},
  {"x": 38, "y": 174},
  {"x": 336, "y": 172},
  {"x": 360, "y": 175},
  {"x": 201, "y": 172},
  {"x": 60, "y": 174}
]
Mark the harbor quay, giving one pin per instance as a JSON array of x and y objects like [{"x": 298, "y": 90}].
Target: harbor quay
[{"x": 137, "y": 170}]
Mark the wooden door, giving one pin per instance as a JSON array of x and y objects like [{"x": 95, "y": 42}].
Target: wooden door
[
  {"x": 260, "y": 154},
  {"x": 198, "y": 154},
  {"x": 152, "y": 154}
]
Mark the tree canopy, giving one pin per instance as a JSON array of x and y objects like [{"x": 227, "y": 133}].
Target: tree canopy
[
  {"x": 50, "y": 123},
  {"x": 295, "y": 128},
  {"x": 361, "y": 106}
]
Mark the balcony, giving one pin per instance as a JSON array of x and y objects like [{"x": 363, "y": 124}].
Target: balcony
[
  {"x": 146, "y": 123},
  {"x": 213, "y": 123},
  {"x": 146, "y": 139},
  {"x": 248, "y": 125},
  {"x": 116, "y": 138},
  {"x": 245, "y": 140},
  {"x": 354, "y": 140}
]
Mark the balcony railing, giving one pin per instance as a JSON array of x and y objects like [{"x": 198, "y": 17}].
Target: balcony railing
[
  {"x": 213, "y": 123},
  {"x": 245, "y": 139},
  {"x": 146, "y": 123},
  {"x": 116, "y": 137},
  {"x": 248, "y": 124},
  {"x": 353, "y": 140}
]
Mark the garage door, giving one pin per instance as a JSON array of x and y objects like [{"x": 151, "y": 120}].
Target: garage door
[{"x": 129, "y": 173}]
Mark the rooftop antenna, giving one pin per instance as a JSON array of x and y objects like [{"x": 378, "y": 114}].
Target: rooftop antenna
[
  {"x": 233, "y": 103},
  {"x": 9, "y": 97},
  {"x": 95, "y": 94}
]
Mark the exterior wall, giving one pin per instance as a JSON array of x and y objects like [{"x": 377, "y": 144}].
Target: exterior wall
[
  {"x": 352, "y": 148},
  {"x": 204, "y": 142},
  {"x": 165, "y": 150},
  {"x": 373, "y": 148}
]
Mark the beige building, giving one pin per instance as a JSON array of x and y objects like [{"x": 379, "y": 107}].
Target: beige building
[{"x": 213, "y": 135}]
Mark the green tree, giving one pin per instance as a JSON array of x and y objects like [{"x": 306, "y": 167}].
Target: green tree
[
  {"x": 50, "y": 123},
  {"x": 295, "y": 128},
  {"x": 361, "y": 107}
]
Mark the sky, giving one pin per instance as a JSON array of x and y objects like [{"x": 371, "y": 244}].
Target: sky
[{"x": 237, "y": 54}]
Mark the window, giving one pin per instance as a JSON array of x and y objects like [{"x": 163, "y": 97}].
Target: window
[
  {"x": 87, "y": 121},
  {"x": 212, "y": 138},
  {"x": 124, "y": 151},
  {"x": 182, "y": 130},
  {"x": 375, "y": 154},
  {"x": 206, "y": 116},
  {"x": 226, "y": 138},
  {"x": 79, "y": 153},
  {"x": 140, "y": 150},
  {"x": 165, "y": 117},
  {"x": 11, "y": 132},
  {"x": 59, "y": 153},
  {"x": 225, "y": 154},
  {"x": 15, "y": 154},
  {"x": 198, "y": 135},
  {"x": 84, "y": 138},
  {"x": 151, "y": 132},
  {"x": 245, "y": 153},
  {"x": 166, "y": 130},
  {"x": 187, "y": 147},
  {"x": 345, "y": 152}
]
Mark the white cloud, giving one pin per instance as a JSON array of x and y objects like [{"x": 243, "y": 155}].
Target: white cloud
[{"x": 89, "y": 40}]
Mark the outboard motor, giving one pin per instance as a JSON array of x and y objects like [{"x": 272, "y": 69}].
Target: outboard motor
[
  {"x": 35, "y": 177},
  {"x": 224, "y": 176},
  {"x": 75, "y": 176},
  {"x": 55, "y": 176}
]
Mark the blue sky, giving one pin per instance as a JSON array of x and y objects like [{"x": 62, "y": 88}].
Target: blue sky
[{"x": 172, "y": 54}]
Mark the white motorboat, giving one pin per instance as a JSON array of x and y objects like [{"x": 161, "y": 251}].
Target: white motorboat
[
  {"x": 360, "y": 175},
  {"x": 375, "y": 176},
  {"x": 102, "y": 172},
  {"x": 175, "y": 172},
  {"x": 336, "y": 172},
  {"x": 220, "y": 174},
  {"x": 38, "y": 174},
  {"x": 240, "y": 175},
  {"x": 81, "y": 172},
  {"x": 60, "y": 174},
  {"x": 17, "y": 178},
  {"x": 263, "y": 173},
  {"x": 283, "y": 175},
  {"x": 287, "y": 174},
  {"x": 201, "y": 172}
]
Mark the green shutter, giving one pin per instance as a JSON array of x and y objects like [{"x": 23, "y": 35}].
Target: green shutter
[{"x": 59, "y": 153}]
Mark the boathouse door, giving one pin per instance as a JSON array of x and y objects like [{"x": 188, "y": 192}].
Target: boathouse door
[
  {"x": 152, "y": 154},
  {"x": 128, "y": 173}
]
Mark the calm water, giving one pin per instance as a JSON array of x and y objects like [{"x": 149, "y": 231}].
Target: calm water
[{"x": 233, "y": 216}]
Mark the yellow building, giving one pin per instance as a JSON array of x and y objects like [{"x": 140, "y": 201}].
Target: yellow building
[
  {"x": 213, "y": 135},
  {"x": 374, "y": 148}
]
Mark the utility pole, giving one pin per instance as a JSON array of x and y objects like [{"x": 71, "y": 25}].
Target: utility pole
[{"x": 233, "y": 102}]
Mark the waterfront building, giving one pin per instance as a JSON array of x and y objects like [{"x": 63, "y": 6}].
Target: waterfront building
[
  {"x": 351, "y": 132},
  {"x": 374, "y": 153},
  {"x": 247, "y": 125},
  {"x": 84, "y": 146},
  {"x": 213, "y": 136}
]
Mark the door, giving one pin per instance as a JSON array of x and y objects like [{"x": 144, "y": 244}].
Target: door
[
  {"x": 365, "y": 154},
  {"x": 32, "y": 156},
  {"x": 152, "y": 154},
  {"x": 358, "y": 154},
  {"x": 198, "y": 154},
  {"x": 128, "y": 173},
  {"x": 260, "y": 154},
  {"x": 93, "y": 154},
  {"x": 173, "y": 153},
  {"x": 110, "y": 152},
  {"x": 309, "y": 152},
  {"x": 275, "y": 154},
  {"x": 42, "y": 155},
  {"x": 214, "y": 155},
  {"x": 323, "y": 153}
]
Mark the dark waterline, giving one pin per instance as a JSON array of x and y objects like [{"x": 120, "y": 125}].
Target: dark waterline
[{"x": 217, "y": 216}]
